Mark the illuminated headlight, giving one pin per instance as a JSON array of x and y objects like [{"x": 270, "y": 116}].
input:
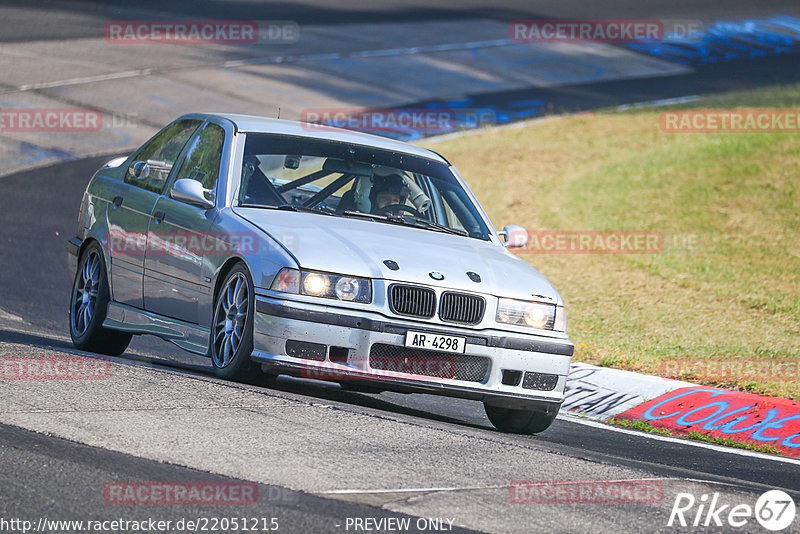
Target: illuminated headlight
[
  {"x": 522, "y": 313},
  {"x": 316, "y": 285},
  {"x": 329, "y": 286}
]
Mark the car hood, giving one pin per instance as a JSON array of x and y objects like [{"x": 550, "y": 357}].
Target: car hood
[{"x": 359, "y": 247}]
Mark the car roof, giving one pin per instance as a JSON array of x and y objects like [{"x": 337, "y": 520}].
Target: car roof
[{"x": 254, "y": 124}]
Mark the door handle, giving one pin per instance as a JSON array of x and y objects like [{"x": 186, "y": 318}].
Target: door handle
[
  {"x": 117, "y": 202},
  {"x": 159, "y": 217}
]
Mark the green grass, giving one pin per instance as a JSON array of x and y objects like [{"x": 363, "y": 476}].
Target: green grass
[
  {"x": 727, "y": 442},
  {"x": 726, "y": 287},
  {"x": 640, "y": 425},
  {"x": 644, "y": 426}
]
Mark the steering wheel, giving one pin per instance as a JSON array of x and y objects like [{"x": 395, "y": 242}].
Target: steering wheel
[{"x": 398, "y": 207}]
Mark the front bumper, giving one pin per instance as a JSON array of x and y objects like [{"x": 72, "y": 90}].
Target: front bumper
[{"x": 346, "y": 338}]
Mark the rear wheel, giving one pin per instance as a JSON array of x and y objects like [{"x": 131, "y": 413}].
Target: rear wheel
[
  {"x": 520, "y": 421},
  {"x": 89, "y": 305},
  {"x": 232, "y": 328}
]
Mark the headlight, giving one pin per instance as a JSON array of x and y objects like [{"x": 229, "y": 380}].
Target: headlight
[
  {"x": 316, "y": 285},
  {"x": 522, "y": 313},
  {"x": 329, "y": 286},
  {"x": 349, "y": 288}
]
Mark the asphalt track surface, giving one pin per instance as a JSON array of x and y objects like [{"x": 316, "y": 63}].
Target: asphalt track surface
[
  {"x": 81, "y": 19},
  {"x": 87, "y": 469},
  {"x": 741, "y": 74},
  {"x": 46, "y": 476}
]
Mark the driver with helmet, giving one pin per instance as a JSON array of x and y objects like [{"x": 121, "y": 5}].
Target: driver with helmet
[
  {"x": 388, "y": 190},
  {"x": 383, "y": 193}
]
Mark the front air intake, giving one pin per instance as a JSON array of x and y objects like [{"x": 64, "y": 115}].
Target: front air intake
[{"x": 391, "y": 360}]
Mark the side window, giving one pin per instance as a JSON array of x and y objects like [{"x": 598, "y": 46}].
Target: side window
[
  {"x": 152, "y": 164},
  {"x": 203, "y": 157}
]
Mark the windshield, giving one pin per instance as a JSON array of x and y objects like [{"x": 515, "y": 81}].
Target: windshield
[{"x": 355, "y": 181}]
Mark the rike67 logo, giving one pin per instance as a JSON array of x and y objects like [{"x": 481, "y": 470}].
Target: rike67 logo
[{"x": 774, "y": 511}]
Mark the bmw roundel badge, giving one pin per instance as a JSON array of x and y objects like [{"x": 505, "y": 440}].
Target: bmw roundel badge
[{"x": 436, "y": 275}]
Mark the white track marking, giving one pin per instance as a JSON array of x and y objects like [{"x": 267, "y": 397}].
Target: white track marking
[
  {"x": 505, "y": 487},
  {"x": 406, "y": 51},
  {"x": 10, "y": 316},
  {"x": 404, "y": 490},
  {"x": 87, "y": 79},
  {"x": 679, "y": 441},
  {"x": 659, "y": 103}
]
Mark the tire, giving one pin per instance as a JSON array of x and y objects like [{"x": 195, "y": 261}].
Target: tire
[
  {"x": 520, "y": 421},
  {"x": 89, "y": 305},
  {"x": 231, "y": 341}
]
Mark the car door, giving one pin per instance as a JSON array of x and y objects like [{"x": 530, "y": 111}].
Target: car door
[
  {"x": 128, "y": 212},
  {"x": 178, "y": 234}
]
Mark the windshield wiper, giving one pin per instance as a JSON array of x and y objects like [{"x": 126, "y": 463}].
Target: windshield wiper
[
  {"x": 287, "y": 207},
  {"x": 408, "y": 221},
  {"x": 367, "y": 216},
  {"x": 302, "y": 209},
  {"x": 424, "y": 223}
]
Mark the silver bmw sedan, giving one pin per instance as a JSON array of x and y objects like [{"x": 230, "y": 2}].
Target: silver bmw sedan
[{"x": 276, "y": 247}]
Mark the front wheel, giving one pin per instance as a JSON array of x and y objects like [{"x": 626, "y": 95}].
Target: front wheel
[
  {"x": 517, "y": 421},
  {"x": 232, "y": 328},
  {"x": 89, "y": 305}
]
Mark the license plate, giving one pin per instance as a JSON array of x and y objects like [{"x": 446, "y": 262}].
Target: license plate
[{"x": 421, "y": 340}]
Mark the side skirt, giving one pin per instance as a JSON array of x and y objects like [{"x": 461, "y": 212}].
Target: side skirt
[{"x": 187, "y": 336}]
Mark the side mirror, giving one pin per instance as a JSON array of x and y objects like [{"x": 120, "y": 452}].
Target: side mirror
[
  {"x": 515, "y": 236},
  {"x": 116, "y": 162},
  {"x": 139, "y": 170},
  {"x": 191, "y": 192}
]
